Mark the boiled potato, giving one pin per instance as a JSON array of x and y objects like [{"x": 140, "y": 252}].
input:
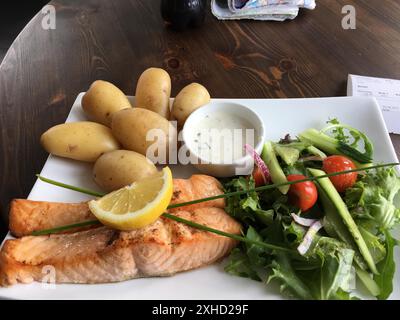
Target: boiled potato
[
  {"x": 188, "y": 100},
  {"x": 102, "y": 100},
  {"x": 144, "y": 131},
  {"x": 117, "y": 169},
  {"x": 153, "y": 91},
  {"x": 84, "y": 141}
]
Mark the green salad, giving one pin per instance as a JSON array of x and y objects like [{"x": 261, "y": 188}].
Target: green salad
[{"x": 337, "y": 229}]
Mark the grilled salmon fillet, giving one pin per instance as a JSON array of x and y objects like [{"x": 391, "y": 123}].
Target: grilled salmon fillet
[
  {"x": 28, "y": 216},
  {"x": 104, "y": 255},
  {"x": 197, "y": 187}
]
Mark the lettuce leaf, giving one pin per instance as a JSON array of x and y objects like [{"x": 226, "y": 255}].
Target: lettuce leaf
[
  {"x": 386, "y": 269},
  {"x": 248, "y": 208},
  {"x": 291, "y": 284},
  {"x": 375, "y": 246},
  {"x": 257, "y": 255},
  {"x": 351, "y": 139},
  {"x": 239, "y": 265},
  {"x": 329, "y": 281},
  {"x": 372, "y": 198},
  {"x": 249, "y": 260},
  {"x": 242, "y": 207},
  {"x": 334, "y": 277}
]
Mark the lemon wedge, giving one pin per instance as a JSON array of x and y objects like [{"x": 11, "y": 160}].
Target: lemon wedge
[{"x": 136, "y": 205}]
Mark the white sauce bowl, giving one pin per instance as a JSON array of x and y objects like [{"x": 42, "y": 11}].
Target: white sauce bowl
[{"x": 239, "y": 166}]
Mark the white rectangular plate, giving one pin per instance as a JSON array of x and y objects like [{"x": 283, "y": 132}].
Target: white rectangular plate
[{"x": 281, "y": 116}]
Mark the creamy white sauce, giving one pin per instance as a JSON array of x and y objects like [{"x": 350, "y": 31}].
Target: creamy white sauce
[{"x": 220, "y": 137}]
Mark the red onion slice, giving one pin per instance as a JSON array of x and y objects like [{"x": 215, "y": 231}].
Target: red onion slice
[
  {"x": 302, "y": 221},
  {"x": 308, "y": 238},
  {"x": 259, "y": 162}
]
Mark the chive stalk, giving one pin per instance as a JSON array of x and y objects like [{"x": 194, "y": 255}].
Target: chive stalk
[
  {"x": 67, "y": 227},
  {"x": 177, "y": 219},
  {"x": 226, "y": 234},
  {"x": 70, "y": 187},
  {"x": 178, "y": 205}
]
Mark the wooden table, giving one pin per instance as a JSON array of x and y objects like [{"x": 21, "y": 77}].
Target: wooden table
[{"x": 116, "y": 40}]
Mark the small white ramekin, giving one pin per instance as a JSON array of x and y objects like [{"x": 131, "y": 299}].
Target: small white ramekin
[{"x": 241, "y": 166}]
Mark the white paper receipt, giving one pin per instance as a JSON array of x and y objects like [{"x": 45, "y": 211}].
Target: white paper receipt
[{"x": 386, "y": 91}]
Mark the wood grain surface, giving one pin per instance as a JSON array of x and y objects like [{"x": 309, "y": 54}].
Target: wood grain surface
[{"x": 116, "y": 40}]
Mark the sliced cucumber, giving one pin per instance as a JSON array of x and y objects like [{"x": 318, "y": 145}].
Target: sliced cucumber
[
  {"x": 277, "y": 174},
  {"x": 335, "y": 228},
  {"x": 320, "y": 140},
  {"x": 368, "y": 282},
  {"x": 288, "y": 155},
  {"x": 341, "y": 207},
  {"x": 316, "y": 152},
  {"x": 333, "y": 146}
]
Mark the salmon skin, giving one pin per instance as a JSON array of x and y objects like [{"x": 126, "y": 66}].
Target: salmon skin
[
  {"x": 103, "y": 255},
  {"x": 29, "y": 216}
]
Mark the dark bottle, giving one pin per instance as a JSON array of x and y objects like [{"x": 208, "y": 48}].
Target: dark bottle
[{"x": 181, "y": 14}]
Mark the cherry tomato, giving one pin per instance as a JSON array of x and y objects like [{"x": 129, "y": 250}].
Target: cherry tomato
[
  {"x": 258, "y": 177},
  {"x": 303, "y": 194},
  {"x": 334, "y": 164}
]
